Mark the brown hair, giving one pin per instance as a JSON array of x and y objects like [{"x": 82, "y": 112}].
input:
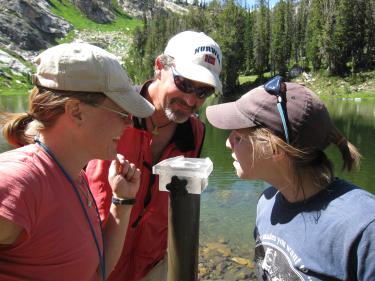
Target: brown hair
[
  {"x": 166, "y": 60},
  {"x": 312, "y": 163},
  {"x": 45, "y": 106}
]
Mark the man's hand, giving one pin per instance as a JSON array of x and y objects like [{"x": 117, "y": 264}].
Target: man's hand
[{"x": 124, "y": 178}]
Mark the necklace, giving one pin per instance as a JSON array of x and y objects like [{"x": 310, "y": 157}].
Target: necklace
[
  {"x": 84, "y": 189},
  {"x": 75, "y": 189},
  {"x": 155, "y": 129}
]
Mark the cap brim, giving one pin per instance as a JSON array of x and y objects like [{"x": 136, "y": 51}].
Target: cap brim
[
  {"x": 133, "y": 103},
  {"x": 227, "y": 116},
  {"x": 199, "y": 73}
]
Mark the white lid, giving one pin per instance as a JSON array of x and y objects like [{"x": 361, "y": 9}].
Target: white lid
[{"x": 185, "y": 167}]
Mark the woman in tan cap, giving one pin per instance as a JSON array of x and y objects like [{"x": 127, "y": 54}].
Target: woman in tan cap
[
  {"x": 50, "y": 227},
  {"x": 310, "y": 225}
]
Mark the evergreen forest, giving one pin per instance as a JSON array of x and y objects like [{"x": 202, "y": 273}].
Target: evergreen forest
[{"x": 336, "y": 37}]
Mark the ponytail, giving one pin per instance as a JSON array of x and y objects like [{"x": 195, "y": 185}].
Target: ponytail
[
  {"x": 14, "y": 128},
  {"x": 350, "y": 154},
  {"x": 45, "y": 107}
]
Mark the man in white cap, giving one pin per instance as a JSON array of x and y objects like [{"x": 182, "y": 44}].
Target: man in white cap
[{"x": 185, "y": 75}]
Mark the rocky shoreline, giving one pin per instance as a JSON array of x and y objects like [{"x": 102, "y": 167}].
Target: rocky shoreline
[{"x": 219, "y": 261}]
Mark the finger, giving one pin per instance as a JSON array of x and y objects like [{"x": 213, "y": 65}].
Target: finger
[
  {"x": 119, "y": 163},
  {"x": 137, "y": 174},
  {"x": 113, "y": 168},
  {"x": 125, "y": 167},
  {"x": 130, "y": 174}
]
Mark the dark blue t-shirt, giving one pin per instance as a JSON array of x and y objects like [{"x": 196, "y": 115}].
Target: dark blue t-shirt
[{"x": 331, "y": 236}]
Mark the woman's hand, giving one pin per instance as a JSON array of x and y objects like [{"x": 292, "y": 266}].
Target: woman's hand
[{"x": 124, "y": 178}]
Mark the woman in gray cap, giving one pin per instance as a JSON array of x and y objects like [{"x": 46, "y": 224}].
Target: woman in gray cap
[
  {"x": 49, "y": 223},
  {"x": 310, "y": 225}
]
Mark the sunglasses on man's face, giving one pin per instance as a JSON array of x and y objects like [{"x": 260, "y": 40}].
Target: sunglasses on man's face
[{"x": 185, "y": 85}]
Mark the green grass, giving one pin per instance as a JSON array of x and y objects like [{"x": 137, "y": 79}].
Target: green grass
[
  {"x": 247, "y": 79},
  {"x": 11, "y": 84},
  {"x": 251, "y": 79},
  {"x": 69, "y": 12},
  {"x": 361, "y": 85}
]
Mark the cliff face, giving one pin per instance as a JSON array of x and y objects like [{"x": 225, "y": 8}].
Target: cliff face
[
  {"x": 97, "y": 10},
  {"x": 140, "y": 8},
  {"x": 29, "y": 25}
]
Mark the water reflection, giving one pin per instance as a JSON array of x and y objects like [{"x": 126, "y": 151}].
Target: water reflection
[
  {"x": 356, "y": 119},
  {"x": 17, "y": 103}
]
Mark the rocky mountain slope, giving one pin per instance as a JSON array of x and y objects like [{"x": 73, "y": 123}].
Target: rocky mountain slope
[
  {"x": 139, "y": 8},
  {"x": 29, "y": 26}
]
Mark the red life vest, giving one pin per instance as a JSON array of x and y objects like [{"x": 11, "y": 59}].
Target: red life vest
[{"x": 146, "y": 237}]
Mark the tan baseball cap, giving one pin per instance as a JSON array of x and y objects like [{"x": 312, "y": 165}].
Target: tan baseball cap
[
  {"x": 197, "y": 57},
  {"x": 82, "y": 67}
]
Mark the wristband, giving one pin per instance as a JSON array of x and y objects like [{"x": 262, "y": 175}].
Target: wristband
[{"x": 119, "y": 201}]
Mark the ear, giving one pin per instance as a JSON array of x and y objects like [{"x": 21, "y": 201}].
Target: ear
[
  {"x": 158, "y": 67},
  {"x": 73, "y": 109},
  {"x": 279, "y": 155}
]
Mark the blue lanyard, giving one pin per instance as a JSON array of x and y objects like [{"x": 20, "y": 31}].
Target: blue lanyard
[{"x": 100, "y": 253}]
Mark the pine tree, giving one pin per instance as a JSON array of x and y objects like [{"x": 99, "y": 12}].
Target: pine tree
[
  {"x": 299, "y": 39},
  {"x": 230, "y": 36},
  {"x": 196, "y": 19},
  {"x": 338, "y": 35},
  {"x": 368, "y": 59},
  {"x": 261, "y": 37},
  {"x": 249, "y": 63},
  {"x": 134, "y": 60},
  {"x": 314, "y": 34},
  {"x": 279, "y": 42},
  {"x": 361, "y": 34},
  {"x": 289, "y": 28}
]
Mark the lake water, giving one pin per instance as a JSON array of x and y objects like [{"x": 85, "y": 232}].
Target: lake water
[{"x": 228, "y": 204}]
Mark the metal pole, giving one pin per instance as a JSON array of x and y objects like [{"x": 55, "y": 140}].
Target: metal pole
[{"x": 183, "y": 232}]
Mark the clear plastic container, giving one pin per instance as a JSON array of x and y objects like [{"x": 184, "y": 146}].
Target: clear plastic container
[{"x": 194, "y": 170}]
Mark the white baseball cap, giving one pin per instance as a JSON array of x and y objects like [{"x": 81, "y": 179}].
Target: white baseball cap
[
  {"x": 81, "y": 67},
  {"x": 197, "y": 57}
]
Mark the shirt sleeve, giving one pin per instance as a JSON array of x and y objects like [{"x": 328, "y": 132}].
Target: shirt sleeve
[
  {"x": 18, "y": 196},
  {"x": 366, "y": 254}
]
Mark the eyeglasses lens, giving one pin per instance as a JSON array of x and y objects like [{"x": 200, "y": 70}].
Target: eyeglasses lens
[
  {"x": 125, "y": 116},
  {"x": 186, "y": 86}
]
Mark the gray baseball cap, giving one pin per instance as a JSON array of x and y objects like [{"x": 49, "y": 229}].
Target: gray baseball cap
[{"x": 309, "y": 120}]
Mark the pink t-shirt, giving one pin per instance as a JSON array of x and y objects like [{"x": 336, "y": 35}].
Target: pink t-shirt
[{"x": 57, "y": 243}]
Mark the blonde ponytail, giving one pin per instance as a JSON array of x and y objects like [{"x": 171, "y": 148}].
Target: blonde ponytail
[{"x": 350, "y": 154}]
